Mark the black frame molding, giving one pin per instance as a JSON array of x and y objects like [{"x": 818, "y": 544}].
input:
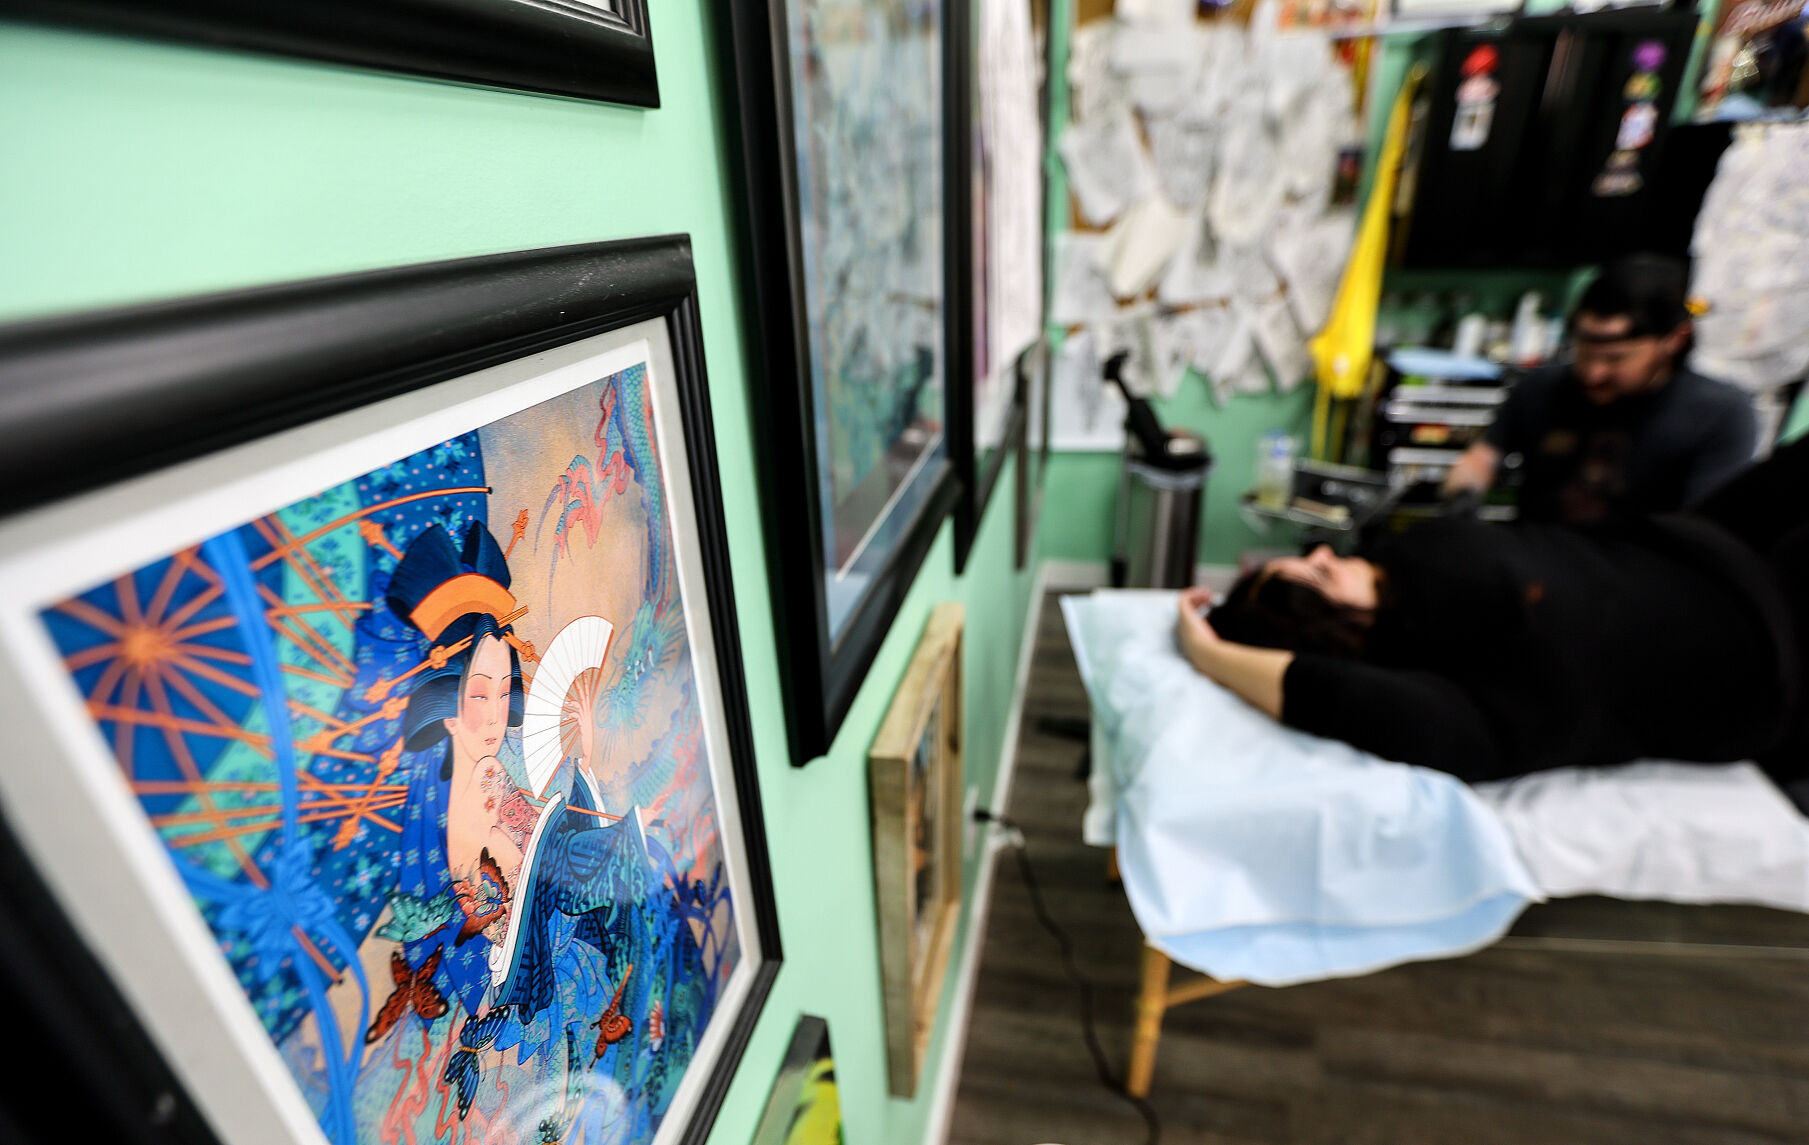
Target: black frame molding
[
  {"x": 1031, "y": 444},
  {"x": 556, "y": 47},
  {"x": 976, "y": 474},
  {"x": 821, "y": 675},
  {"x": 81, "y": 395},
  {"x": 978, "y": 470}
]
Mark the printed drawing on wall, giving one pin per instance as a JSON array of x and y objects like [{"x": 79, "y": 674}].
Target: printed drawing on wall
[
  {"x": 484, "y": 793},
  {"x": 426, "y": 719},
  {"x": 869, "y": 126},
  {"x": 843, "y": 137}
]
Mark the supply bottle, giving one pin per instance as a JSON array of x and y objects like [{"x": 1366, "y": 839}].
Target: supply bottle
[{"x": 1275, "y": 470}]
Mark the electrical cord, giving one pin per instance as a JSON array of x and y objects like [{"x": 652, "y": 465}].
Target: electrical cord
[{"x": 1021, "y": 851}]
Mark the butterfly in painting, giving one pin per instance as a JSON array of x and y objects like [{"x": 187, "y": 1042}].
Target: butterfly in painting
[
  {"x": 412, "y": 919},
  {"x": 484, "y": 898},
  {"x": 462, "y": 1071},
  {"x": 414, "y": 989},
  {"x": 613, "y": 1025}
]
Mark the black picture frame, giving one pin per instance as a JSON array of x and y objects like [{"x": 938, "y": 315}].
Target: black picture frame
[
  {"x": 93, "y": 399},
  {"x": 977, "y": 468},
  {"x": 823, "y": 668},
  {"x": 804, "y": 1093},
  {"x": 979, "y": 464},
  {"x": 1031, "y": 443},
  {"x": 555, "y": 47}
]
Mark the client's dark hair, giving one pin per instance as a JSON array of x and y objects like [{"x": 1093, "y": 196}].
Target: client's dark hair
[
  {"x": 1272, "y": 611},
  {"x": 1650, "y": 290}
]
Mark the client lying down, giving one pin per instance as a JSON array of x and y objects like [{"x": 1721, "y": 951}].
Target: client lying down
[{"x": 1488, "y": 651}]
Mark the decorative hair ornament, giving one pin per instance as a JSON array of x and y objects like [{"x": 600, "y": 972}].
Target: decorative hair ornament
[{"x": 463, "y": 594}]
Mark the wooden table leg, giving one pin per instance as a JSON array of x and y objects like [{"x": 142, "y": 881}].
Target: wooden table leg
[{"x": 1152, "y": 1000}]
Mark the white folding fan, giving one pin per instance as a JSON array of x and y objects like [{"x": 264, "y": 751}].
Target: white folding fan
[{"x": 546, "y": 740}]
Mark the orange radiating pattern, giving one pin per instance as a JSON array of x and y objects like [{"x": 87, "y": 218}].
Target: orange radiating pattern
[{"x": 152, "y": 659}]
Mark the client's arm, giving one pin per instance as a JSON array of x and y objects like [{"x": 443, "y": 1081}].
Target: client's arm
[
  {"x": 1410, "y": 717},
  {"x": 1253, "y": 673}
]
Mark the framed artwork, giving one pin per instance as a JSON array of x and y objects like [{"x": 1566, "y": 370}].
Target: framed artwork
[
  {"x": 843, "y": 167},
  {"x": 1002, "y": 313},
  {"x": 589, "y": 49},
  {"x": 1033, "y": 445},
  {"x": 915, "y": 768},
  {"x": 371, "y": 641},
  {"x": 804, "y": 1108}
]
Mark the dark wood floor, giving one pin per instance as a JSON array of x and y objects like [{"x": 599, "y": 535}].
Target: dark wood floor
[{"x": 1542, "y": 1039}]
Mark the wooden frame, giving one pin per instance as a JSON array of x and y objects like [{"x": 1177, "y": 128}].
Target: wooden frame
[
  {"x": 588, "y": 49},
  {"x": 916, "y": 770},
  {"x": 835, "y": 600},
  {"x": 197, "y": 427}
]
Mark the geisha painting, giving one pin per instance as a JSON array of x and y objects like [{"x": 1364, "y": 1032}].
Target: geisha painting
[{"x": 427, "y": 750}]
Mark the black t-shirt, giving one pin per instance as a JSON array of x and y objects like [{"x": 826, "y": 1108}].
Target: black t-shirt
[
  {"x": 1649, "y": 453},
  {"x": 1508, "y": 649}
]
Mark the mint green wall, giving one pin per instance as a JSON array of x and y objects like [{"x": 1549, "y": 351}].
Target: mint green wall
[{"x": 136, "y": 171}]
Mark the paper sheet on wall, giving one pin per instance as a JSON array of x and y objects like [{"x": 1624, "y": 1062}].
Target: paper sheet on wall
[
  {"x": 1294, "y": 63},
  {"x": 1198, "y": 272},
  {"x": 1140, "y": 244},
  {"x": 1170, "y": 337},
  {"x": 1085, "y": 414},
  {"x": 1168, "y": 12},
  {"x": 1281, "y": 346},
  {"x": 1308, "y": 254},
  {"x": 1097, "y": 94},
  {"x": 1247, "y": 184},
  {"x": 1132, "y": 332},
  {"x": 1224, "y": 72},
  {"x": 1160, "y": 63},
  {"x": 1014, "y": 222},
  {"x": 1182, "y": 147},
  {"x": 1253, "y": 280},
  {"x": 1253, "y": 378},
  {"x": 1309, "y": 139},
  {"x": 1189, "y": 339},
  {"x": 1156, "y": 48},
  {"x": 1752, "y": 260},
  {"x": 1239, "y": 346},
  {"x": 1108, "y": 169},
  {"x": 1083, "y": 294}
]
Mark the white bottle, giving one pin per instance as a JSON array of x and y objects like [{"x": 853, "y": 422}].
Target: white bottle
[
  {"x": 1528, "y": 342},
  {"x": 1275, "y": 470},
  {"x": 1472, "y": 335}
]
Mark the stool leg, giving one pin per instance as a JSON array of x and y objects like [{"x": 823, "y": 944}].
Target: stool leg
[{"x": 1152, "y": 1001}]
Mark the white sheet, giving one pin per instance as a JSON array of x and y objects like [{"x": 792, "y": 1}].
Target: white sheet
[
  {"x": 1680, "y": 832},
  {"x": 1250, "y": 850}
]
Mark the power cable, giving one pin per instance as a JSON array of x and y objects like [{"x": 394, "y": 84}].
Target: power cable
[{"x": 1089, "y": 1031}]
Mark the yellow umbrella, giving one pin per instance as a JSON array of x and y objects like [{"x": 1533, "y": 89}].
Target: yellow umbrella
[{"x": 1343, "y": 349}]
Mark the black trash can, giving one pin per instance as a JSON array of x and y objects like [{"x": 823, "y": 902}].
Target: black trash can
[{"x": 1160, "y": 499}]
